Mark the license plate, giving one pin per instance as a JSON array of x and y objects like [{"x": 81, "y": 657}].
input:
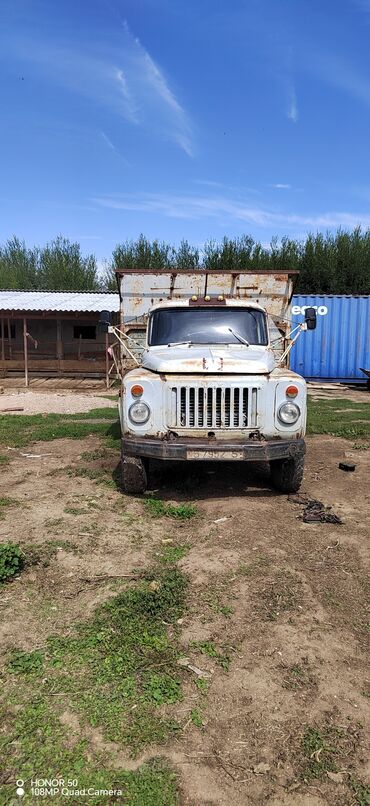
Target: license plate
[{"x": 220, "y": 455}]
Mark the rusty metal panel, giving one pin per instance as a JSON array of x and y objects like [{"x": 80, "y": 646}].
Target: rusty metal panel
[{"x": 139, "y": 291}]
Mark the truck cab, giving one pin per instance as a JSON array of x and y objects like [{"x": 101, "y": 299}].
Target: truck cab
[{"x": 211, "y": 386}]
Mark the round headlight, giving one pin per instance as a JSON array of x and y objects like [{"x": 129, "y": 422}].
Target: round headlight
[
  {"x": 139, "y": 412},
  {"x": 288, "y": 413}
]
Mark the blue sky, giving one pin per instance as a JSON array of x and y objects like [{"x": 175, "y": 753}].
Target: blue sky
[{"x": 183, "y": 119}]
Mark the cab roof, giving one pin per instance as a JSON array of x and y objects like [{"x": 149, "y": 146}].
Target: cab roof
[{"x": 212, "y": 303}]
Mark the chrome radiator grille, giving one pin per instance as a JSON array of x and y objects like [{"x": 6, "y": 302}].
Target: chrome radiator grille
[{"x": 212, "y": 407}]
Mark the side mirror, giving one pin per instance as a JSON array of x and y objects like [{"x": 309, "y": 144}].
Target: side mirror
[
  {"x": 310, "y": 318},
  {"x": 104, "y": 321}
]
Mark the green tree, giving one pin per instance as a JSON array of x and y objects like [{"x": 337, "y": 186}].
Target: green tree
[
  {"x": 186, "y": 257},
  {"x": 18, "y": 265},
  {"x": 63, "y": 268}
]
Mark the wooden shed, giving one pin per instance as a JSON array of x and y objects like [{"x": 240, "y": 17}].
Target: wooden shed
[{"x": 55, "y": 334}]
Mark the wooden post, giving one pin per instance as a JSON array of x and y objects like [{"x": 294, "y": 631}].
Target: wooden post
[
  {"x": 25, "y": 347},
  {"x": 10, "y": 340},
  {"x": 59, "y": 345},
  {"x": 106, "y": 361},
  {"x": 3, "y": 373}
]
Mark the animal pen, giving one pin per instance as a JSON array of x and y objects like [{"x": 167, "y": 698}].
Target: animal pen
[{"x": 55, "y": 334}]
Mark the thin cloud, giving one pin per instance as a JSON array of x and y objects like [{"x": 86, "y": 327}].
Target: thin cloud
[
  {"x": 292, "y": 111},
  {"x": 220, "y": 207},
  {"x": 108, "y": 142},
  {"x": 341, "y": 75},
  {"x": 127, "y": 80},
  {"x": 124, "y": 88},
  {"x": 157, "y": 101},
  {"x": 112, "y": 147},
  {"x": 281, "y": 186},
  {"x": 208, "y": 183}
]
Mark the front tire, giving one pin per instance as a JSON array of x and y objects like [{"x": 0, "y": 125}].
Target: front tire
[
  {"x": 133, "y": 475},
  {"x": 287, "y": 474}
]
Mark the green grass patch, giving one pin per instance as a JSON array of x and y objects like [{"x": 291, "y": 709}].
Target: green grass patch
[
  {"x": 341, "y": 418},
  {"x": 209, "y": 648},
  {"x": 94, "y": 474},
  {"x": 361, "y": 791},
  {"x": 11, "y": 560},
  {"x": 76, "y": 511},
  {"x": 330, "y": 748},
  {"x": 202, "y": 684},
  {"x": 17, "y": 432},
  {"x": 94, "y": 456},
  {"x": 319, "y": 754},
  {"x": 196, "y": 718},
  {"x": 29, "y": 664},
  {"x": 118, "y": 669},
  {"x": 4, "y": 460},
  {"x": 37, "y": 741},
  {"x": 172, "y": 554},
  {"x": 42, "y": 553},
  {"x": 160, "y": 509}
]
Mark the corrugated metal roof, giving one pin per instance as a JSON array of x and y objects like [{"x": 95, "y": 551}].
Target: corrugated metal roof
[{"x": 67, "y": 301}]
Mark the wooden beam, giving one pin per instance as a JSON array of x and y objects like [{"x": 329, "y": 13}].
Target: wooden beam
[
  {"x": 25, "y": 347},
  {"x": 52, "y": 364},
  {"x": 59, "y": 345},
  {"x": 10, "y": 340},
  {"x": 106, "y": 360},
  {"x": 3, "y": 374}
]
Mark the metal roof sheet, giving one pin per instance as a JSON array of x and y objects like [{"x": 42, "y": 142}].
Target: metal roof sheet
[{"x": 66, "y": 301}]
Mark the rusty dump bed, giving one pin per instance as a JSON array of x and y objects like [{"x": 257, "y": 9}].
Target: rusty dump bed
[{"x": 139, "y": 290}]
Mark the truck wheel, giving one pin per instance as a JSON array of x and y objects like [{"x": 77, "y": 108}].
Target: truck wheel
[
  {"x": 287, "y": 474},
  {"x": 133, "y": 473}
]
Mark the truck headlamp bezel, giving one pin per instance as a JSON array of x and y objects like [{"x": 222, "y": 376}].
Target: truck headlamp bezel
[
  {"x": 288, "y": 413},
  {"x": 139, "y": 404}
]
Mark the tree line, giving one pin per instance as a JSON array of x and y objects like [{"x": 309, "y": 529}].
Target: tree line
[{"x": 334, "y": 263}]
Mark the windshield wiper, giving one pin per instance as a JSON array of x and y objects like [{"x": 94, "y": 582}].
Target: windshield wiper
[
  {"x": 179, "y": 343},
  {"x": 239, "y": 337}
]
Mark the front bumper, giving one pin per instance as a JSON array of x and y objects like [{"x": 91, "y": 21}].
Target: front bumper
[{"x": 186, "y": 448}]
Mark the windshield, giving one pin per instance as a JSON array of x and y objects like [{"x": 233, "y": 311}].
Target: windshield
[{"x": 221, "y": 325}]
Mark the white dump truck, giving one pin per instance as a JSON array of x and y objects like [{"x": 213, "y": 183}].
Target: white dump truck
[{"x": 203, "y": 358}]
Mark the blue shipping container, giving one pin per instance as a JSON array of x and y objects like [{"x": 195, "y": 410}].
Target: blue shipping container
[{"x": 340, "y": 345}]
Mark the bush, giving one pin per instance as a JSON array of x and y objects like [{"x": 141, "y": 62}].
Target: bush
[{"x": 11, "y": 561}]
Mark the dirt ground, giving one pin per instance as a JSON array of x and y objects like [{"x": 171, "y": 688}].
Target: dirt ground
[
  {"x": 286, "y": 600},
  {"x": 68, "y": 402}
]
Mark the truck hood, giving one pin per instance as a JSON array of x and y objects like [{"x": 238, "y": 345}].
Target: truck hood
[{"x": 207, "y": 358}]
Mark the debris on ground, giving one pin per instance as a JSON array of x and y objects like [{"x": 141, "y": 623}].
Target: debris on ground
[
  {"x": 348, "y": 466},
  {"x": 185, "y": 662},
  {"x": 315, "y": 511},
  {"x": 261, "y": 768},
  {"x": 337, "y": 777}
]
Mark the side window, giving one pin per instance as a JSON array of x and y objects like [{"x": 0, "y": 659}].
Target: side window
[{"x": 84, "y": 332}]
